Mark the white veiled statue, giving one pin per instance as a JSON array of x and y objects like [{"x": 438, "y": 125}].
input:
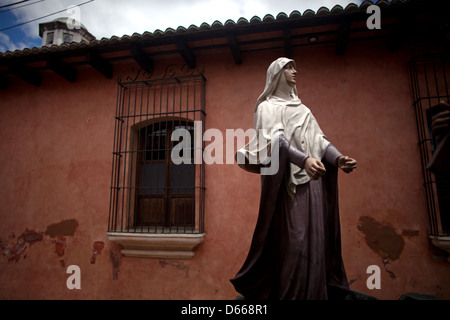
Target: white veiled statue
[{"x": 296, "y": 247}]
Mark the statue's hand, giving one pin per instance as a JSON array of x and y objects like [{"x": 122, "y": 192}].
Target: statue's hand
[
  {"x": 346, "y": 164},
  {"x": 314, "y": 168}
]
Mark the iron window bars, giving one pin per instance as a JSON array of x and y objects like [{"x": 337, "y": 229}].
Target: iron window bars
[
  {"x": 149, "y": 192},
  {"x": 429, "y": 81}
]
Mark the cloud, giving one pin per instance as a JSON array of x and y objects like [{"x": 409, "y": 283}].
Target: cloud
[
  {"x": 115, "y": 17},
  {"x": 7, "y": 44}
]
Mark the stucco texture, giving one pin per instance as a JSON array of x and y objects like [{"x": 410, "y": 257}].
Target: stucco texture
[{"x": 55, "y": 169}]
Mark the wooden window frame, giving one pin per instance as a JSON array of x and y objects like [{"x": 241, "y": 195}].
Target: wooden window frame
[{"x": 169, "y": 217}]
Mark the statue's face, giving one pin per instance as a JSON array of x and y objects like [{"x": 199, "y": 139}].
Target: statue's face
[{"x": 290, "y": 74}]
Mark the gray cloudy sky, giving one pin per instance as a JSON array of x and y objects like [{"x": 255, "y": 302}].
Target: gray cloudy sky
[{"x": 105, "y": 18}]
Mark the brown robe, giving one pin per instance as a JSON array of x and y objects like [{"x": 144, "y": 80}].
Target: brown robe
[{"x": 295, "y": 252}]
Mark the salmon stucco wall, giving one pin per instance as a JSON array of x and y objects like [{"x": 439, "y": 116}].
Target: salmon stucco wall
[{"x": 55, "y": 168}]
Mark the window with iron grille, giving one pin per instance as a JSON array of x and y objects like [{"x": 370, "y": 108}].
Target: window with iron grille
[
  {"x": 150, "y": 193},
  {"x": 429, "y": 80}
]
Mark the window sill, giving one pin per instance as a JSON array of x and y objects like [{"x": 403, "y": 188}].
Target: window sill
[
  {"x": 442, "y": 242},
  {"x": 156, "y": 245}
]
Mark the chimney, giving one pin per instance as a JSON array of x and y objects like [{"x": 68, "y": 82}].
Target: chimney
[{"x": 63, "y": 30}]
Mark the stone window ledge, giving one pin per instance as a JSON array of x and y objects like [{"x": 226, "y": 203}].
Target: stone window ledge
[
  {"x": 442, "y": 242},
  {"x": 157, "y": 245}
]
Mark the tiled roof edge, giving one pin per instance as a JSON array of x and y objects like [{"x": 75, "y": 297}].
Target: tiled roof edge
[{"x": 216, "y": 25}]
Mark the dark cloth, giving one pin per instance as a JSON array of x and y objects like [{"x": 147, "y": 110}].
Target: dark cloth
[{"x": 295, "y": 252}]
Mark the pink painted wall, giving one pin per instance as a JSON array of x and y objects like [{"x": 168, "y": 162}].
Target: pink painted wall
[{"x": 55, "y": 160}]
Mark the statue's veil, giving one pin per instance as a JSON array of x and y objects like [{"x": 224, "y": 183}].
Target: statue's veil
[{"x": 272, "y": 79}]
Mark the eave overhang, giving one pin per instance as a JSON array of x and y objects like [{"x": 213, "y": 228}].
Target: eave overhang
[{"x": 401, "y": 19}]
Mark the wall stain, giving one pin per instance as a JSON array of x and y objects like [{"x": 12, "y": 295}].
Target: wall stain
[
  {"x": 410, "y": 233},
  {"x": 391, "y": 274},
  {"x": 115, "y": 256},
  {"x": 60, "y": 245},
  {"x": 98, "y": 247},
  {"x": 381, "y": 238},
  {"x": 59, "y": 231},
  {"x": 177, "y": 265},
  {"x": 63, "y": 228},
  {"x": 27, "y": 238}
]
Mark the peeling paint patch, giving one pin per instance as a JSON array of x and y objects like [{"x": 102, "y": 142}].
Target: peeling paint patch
[
  {"x": 381, "y": 238},
  {"x": 27, "y": 238},
  {"x": 98, "y": 247},
  {"x": 60, "y": 245},
  {"x": 31, "y": 236},
  {"x": 63, "y": 228}
]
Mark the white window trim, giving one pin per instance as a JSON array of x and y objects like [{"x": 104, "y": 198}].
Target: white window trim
[{"x": 157, "y": 245}]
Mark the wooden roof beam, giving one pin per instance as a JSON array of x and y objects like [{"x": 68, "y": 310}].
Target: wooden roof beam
[
  {"x": 143, "y": 59},
  {"x": 99, "y": 64},
  {"x": 400, "y": 30},
  {"x": 186, "y": 53},
  {"x": 287, "y": 43},
  {"x": 234, "y": 47},
  {"x": 343, "y": 33},
  {"x": 3, "y": 82},
  {"x": 26, "y": 73},
  {"x": 63, "y": 69}
]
